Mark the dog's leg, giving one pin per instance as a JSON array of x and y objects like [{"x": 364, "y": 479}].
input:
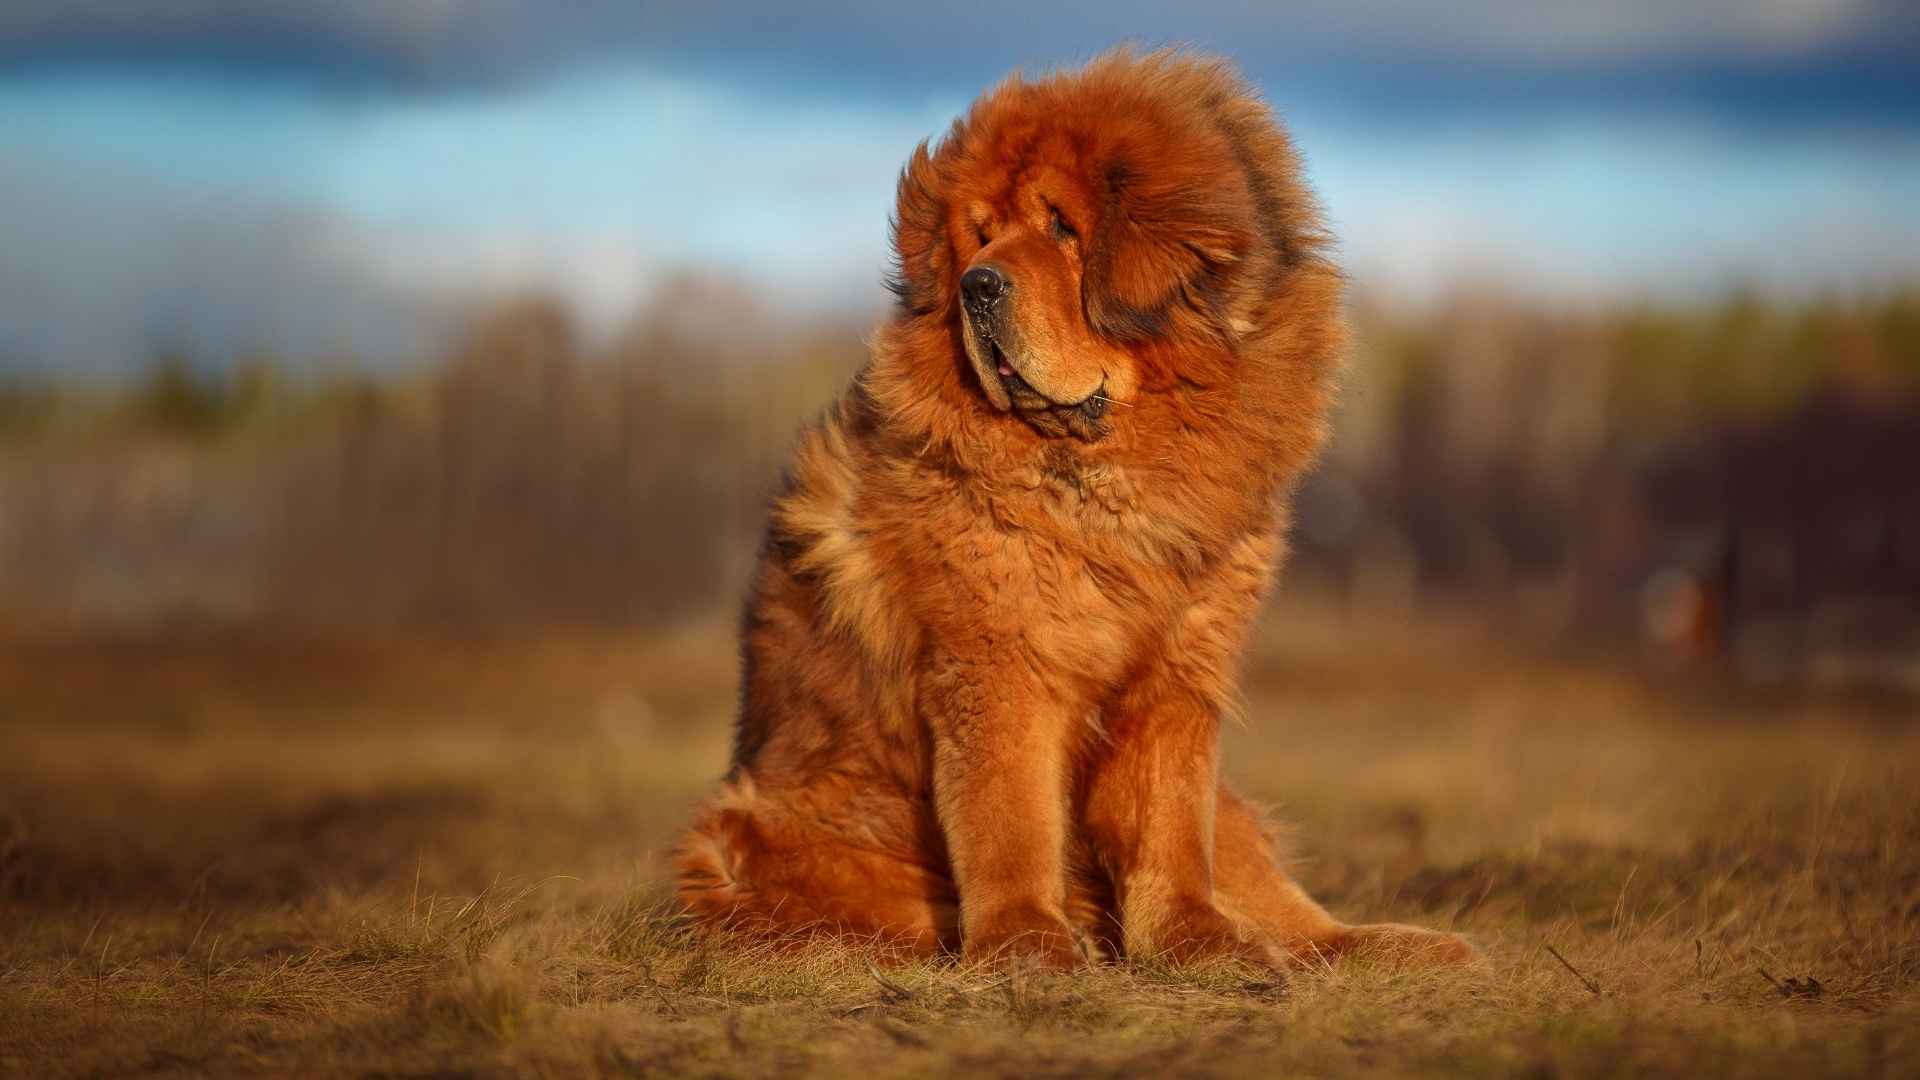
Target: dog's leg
[
  {"x": 1250, "y": 885},
  {"x": 1148, "y": 815},
  {"x": 1148, "y": 787},
  {"x": 1000, "y": 793}
]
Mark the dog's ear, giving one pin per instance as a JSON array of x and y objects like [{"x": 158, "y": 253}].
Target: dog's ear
[
  {"x": 922, "y": 276},
  {"x": 1167, "y": 237}
]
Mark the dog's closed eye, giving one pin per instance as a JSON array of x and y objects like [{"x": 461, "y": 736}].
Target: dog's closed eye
[{"x": 1062, "y": 230}]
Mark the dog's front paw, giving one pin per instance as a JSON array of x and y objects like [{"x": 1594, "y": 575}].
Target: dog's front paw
[{"x": 1024, "y": 935}]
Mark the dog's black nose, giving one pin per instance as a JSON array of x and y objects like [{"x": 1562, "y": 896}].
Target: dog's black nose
[{"x": 982, "y": 285}]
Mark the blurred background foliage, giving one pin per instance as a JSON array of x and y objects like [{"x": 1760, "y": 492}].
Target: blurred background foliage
[{"x": 1728, "y": 480}]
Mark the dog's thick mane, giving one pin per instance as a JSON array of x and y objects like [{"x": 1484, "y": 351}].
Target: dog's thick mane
[{"x": 1239, "y": 351}]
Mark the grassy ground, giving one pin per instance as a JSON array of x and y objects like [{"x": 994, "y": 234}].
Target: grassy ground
[{"x": 398, "y": 859}]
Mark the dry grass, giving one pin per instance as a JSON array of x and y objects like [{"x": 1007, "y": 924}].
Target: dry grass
[{"x": 228, "y": 856}]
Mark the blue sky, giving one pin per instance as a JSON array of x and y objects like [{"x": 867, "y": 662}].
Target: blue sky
[{"x": 342, "y": 180}]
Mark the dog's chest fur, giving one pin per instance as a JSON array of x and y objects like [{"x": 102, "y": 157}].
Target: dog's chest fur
[{"x": 1058, "y": 561}]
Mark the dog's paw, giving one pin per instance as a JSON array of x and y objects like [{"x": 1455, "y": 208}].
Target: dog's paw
[{"x": 1028, "y": 937}]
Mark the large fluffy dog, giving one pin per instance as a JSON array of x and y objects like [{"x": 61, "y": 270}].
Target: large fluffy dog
[{"x": 995, "y": 625}]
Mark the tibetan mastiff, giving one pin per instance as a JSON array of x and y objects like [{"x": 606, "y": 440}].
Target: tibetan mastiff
[{"x": 995, "y": 626}]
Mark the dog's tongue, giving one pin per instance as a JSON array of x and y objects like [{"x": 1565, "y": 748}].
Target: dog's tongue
[{"x": 1006, "y": 368}]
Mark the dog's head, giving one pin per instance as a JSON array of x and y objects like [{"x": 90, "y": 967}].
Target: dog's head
[{"x": 1101, "y": 234}]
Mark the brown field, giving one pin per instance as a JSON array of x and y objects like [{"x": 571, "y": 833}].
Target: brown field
[{"x": 224, "y": 855}]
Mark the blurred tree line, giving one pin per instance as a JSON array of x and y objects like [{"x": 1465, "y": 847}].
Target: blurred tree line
[{"x": 1489, "y": 452}]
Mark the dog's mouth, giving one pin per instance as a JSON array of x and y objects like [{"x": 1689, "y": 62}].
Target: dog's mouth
[
  {"x": 1027, "y": 400},
  {"x": 1007, "y": 389},
  {"x": 1020, "y": 392}
]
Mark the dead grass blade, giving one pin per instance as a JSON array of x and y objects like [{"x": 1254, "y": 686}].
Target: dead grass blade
[{"x": 1592, "y": 987}]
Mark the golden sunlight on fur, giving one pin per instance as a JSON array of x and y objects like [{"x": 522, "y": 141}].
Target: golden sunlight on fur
[{"x": 997, "y": 620}]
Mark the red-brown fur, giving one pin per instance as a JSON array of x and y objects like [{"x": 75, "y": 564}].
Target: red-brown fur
[{"x": 994, "y": 630}]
